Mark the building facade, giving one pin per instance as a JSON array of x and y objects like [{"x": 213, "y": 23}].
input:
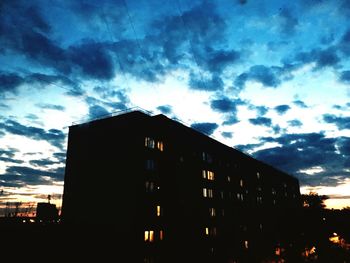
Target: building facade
[{"x": 174, "y": 194}]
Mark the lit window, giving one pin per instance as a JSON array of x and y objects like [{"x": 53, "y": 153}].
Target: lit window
[
  {"x": 160, "y": 146},
  {"x": 161, "y": 235},
  {"x": 149, "y": 142},
  {"x": 210, "y": 231},
  {"x": 259, "y": 200},
  {"x": 258, "y": 175},
  {"x": 274, "y": 191},
  {"x": 241, "y": 183},
  {"x": 228, "y": 178},
  {"x": 246, "y": 245},
  {"x": 150, "y": 165},
  {"x": 207, "y": 192},
  {"x": 208, "y": 175},
  {"x": 149, "y": 236},
  {"x": 212, "y": 212},
  {"x": 158, "y": 210},
  {"x": 274, "y": 201}
]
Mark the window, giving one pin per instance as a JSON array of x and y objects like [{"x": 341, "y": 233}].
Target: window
[
  {"x": 150, "y": 165},
  {"x": 206, "y": 157},
  {"x": 158, "y": 210},
  {"x": 258, "y": 176},
  {"x": 211, "y": 231},
  {"x": 150, "y": 186},
  {"x": 246, "y": 244},
  {"x": 241, "y": 183},
  {"x": 273, "y": 191},
  {"x": 149, "y": 236},
  {"x": 259, "y": 200},
  {"x": 160, "y": 146},
  {"x": 149, "y": 142},
  {"x": 228, "y": 178},
  {"x": 222, "y": 194},
  {"x": 212, "y": 212},
  {"x": 161, "y": 235},
  {"x": 240, "y": 196},
  {"x": 208, "y": 192},
  {"x": 208, "y": 175}
]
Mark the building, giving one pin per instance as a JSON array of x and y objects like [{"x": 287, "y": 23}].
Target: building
[{"x": 175, "y": 194}]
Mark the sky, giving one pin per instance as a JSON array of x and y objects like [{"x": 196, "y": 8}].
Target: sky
[{"x": 270, "y": 78}]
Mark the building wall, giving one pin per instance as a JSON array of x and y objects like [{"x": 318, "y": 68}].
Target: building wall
[{"x": 143, "y": 175}]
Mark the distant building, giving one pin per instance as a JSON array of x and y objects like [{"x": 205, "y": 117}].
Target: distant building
[
  {"x": 175, "y": 193},
  {"x": 46, "y": 212}
]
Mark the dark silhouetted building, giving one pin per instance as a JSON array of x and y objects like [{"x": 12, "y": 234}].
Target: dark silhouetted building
[
  {"x": 174, "y": 194},
  {"x": 46, "y": 212}
]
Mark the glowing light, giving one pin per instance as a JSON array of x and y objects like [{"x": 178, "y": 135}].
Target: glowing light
[{"x": 158, "y": 210}]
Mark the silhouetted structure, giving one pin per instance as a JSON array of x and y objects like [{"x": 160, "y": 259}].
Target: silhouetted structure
[
  {"x": 174, "y": 194},
  {"x": 46, "y": 212}
]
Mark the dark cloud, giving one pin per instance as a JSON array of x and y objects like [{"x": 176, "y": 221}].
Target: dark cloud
[
  {"x": 322, "y": 57},
  {"x": 23, "y": 175},
  {"x": 224, "y": 104},
  {"x": 52, "y": 136},
  {"x": 10, "y": 160},
  {"x": 42, "y": 162},
  {"x": 288, "y": 22},
  {"x": 341, "y": 122},
  {"x": 219, "y": 59},
  {"x": 227, "y": 134},
  {"x": 295, "y": 123},
  {"x": 97, "y": 111},
  {"x": 214, "y": 83},
  {"x": 267, "y": 76},
  {"x": 300, "y": 104},
  {"x": 92, "y": 60},
  {"x": 60, "y": 156},
  {"x": 165, "y": 109},
  {"x": 302, "y": 151},
  {"x": 282, "y": 109},
  {"x": 10, "y": 152},
  {"x": 262, "y": 121},
  {"x": 205, "y": 127},
  {"x": 9, "y": 82},
  {"x": 345, "y": 76},
  {"x": 50, "y": 106},
  {"x": 32, "y": 117}
]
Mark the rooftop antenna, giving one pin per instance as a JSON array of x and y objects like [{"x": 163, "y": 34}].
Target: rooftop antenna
[{"x": 48, "y": 198}]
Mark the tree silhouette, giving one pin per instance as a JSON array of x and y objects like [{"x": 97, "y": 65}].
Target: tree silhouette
[{"x": 313, "y": 200}]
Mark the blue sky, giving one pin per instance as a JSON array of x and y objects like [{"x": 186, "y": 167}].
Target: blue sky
[{"x": 271, "y": 78}]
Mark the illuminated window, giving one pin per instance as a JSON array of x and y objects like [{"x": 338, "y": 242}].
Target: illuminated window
[
  {"x": 208, "y": 192},
  {"x": 240, "y": 196},
  {"x": 210, "y": 231},
  {"x": 149, "y": 142},
  {"x": 158, "y": 210},
  {"x": 208, "y": 175},
  {"x": 228, "y": 178},
  {"x": 258, "y": 176},
  {"x": 150, "y": 165},
  {"x": 161, "y": 235},
  {"x": 241, "y": 183},
  {"x": 246, "y": 244},
  {"x": 212, "y": 212},
  {"x": 160, "y": 146},
  {"x": 149, "y": 236},
  {"x": 274, "y": 191},
  {"x": 274, "y": 201}
]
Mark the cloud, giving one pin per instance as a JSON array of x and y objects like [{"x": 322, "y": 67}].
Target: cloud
[
  {"x": 50, "y": 106},
  {"x": 10, "y": 152},
  {"x": 60, "y": 156},
  {"x": 300, "y": 104},
  {"x": 10, "y": 160},
  {"x": 97, "y": 111},
  {"x": 165, "y": 109},
  {"x": 287, "y": 22},
  {"x": 218, "y": 60},
  {"x": 267, "y": 76},
  {"x": 205, "y": 127},
  {"x": 321, "y": 57},
  {"x": 42, "y": 162},
  {"x": 224, "y": 104},
  {"x": 342, "y": 123},
  {"x": 53, "y": 136},
  {"x": 262, "y": 121},
  {"x": 345, "y": 76},
  {"x": 227, "y": 135},
  {"x": 282, "y": 109},
  {"x": 200, "y": 83},
  {"x": 295, "y": 123},
  {"x": 9, "y": 82},
  {"x": 300, "y": 152},
  {"x": 24, "y": 175}
]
